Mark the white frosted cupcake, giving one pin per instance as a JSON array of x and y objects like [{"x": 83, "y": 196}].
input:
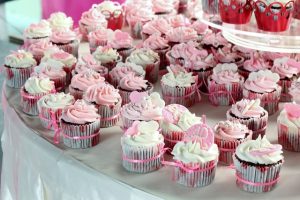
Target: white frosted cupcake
[
  {"x": 37, "y": 32},
  {"x": 59, "y": 20},
  {"x": 107, "y": 56},
  {"x": 99, "y": 37},
  {"x": 142, "y": 147}
]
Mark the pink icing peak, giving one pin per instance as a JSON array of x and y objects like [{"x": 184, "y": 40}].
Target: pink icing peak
[
  {"x": 136, "y": 97},
  {"x": 168, "y": 115},
  {"x": 265, "y": 151},
  {"x": 60, "y": 55},
  {"x": 200, "y": 133},
  {"x": 119, "y": 35},
  {"x": 293, "y": 110}
]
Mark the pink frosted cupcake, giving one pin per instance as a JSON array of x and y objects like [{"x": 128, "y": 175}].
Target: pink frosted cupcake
[
  {"x": 90, "y": 21},
  {"x": 39, "y": 48},
  {"x": 37, "y": 32},
  {"x": 178, "y": 21},
  {"x": 122, "y": 70},
  {"x": 159, "y": 45},
  {"x": 177, "y": 119},
  {"x": 229, "y": 135},
  {"x": 164, "y": 9},
  {"x": 18, "y": 67},
  {"x": 123, "y": 43},
  {"x": 65, "y": 40},
  {"x": 181, "y": 35},
  {"x": 263, "y": 85},
  {"x": 271, "y": 56},
  {"x": 99, "y": 37},
  {"x": 214, "y": 41},
  {"x": 201, "y": 29},
  {"x": 288, "y": 70},
  {"x": 225, "y": 85},
  {"x": 142, "y": 107},
  {"x": 251, "y": 114},
  {"x": 142, "y": 147},
  {"x": 107, "y": 56},
  {"x": 225, "y": 55},
  {"x": 179, "y": 87},
  {"x": 244, "y": 52},
  {"x": 34, "y": 89},
  {"x": 108, "y": 102},
  {"x": 149, "y": 60},
  {"x": 59, "y": 20},
  {"x": 131, "y": 83},
  {"x": 80, "y": 82},
  {"x": 50, "y": 109},
  {"x": 87, "y": 62},
  {"x": 156, "y": 26},
  {"x": 294, "y": 91},
  {"x": 80, "y": 125},
  {"x": 253, "y": 64}
]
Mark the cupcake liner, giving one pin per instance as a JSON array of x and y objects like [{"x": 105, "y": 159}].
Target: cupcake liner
[
  {"x": 243, "y": 72},
  {"x": 136, "y": 28},
  {"x": 142, "y": 159},
  {"x": 124, "y": 53},
  {"x": 69, "y": 70},
  {"x": 29, "y": 102},
  {"x": 163, "y": 58},
  {"x": 256, "y": 178},
  {"x": 110, "y": 115},
  {"x": 30, "y": 41},
  {"x": 285, "y": 85},
  {"x": 172, "y": 137},
  {"x": 269, "y": 101},
  {"x": 50, "y": 118},
  {"x": 203, "y": 77},
  {"x": 174, "y": 61},
  {"x": 71, "y": 48},
  {"x": 152, "y": 72},
  {"x": 76, "y": 93},
  {"x": 225, "y": 94},
  {"x": 125, "y": 94},
  {"x": 187, "y": 175},
  {"x": 257, "y": 125},
  {"x": 80, "y": 136},
  {"x": 288, "y": 137},
  {"x": 94, "y": 43},
  {"x": 16, "y": 77},
  {"x": 112, "y": 64}
]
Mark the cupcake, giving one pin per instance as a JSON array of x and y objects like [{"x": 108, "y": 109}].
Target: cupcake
[
  {"x": 288, "y": 70},
  {"x": 108, "y": 102},
  {"x": 122, "y": 70},
  {"x": 228, "y": 136},
  {"x": 163, "y": 9},
  {"x": 39, "y": 48},
  {"x": 294, "y": 91},
  {"x": 225, "y": 55},
  {"x": 196, "y": 157},
  {"x": 123, "y": 43},
  {"x": 244, "y": 52},
  {"x": 181, "y": 35},
  {"x": 142, "y": 147},
  {"x": 99, "y": 37},
  {"x": 59, "y": 20},
  {"x": 149, "y": 60},
  {"x": 214, "y": 41},
  {"x": 201, "y": 29},
  {"x": 159, "y": 45},
  {"x": 107, "y": 56},
  {"x": 65, "y": 40},
  {"x": 177, "y": 119},
  {"x": 254, "y": 64},
  {"x": 288, "y": 123},
  {"x": 50, "y": 109},
  {"x": 17, "y": 68},
  {"x": 80, "y": 82},
  {"x": 88, "y": 62},
  {"x": 34, "y": 89},
  {"x": 225, "y": 85},
  {"x": 257, "y": 163},
  {"x": 251, "y": 114},
  {"x": 179, "y": 87},
  {"x": 178, "y": 21},
  {"x": 37, "y": 32},
  {"x": 263, "y": 85},
  {"x": 80, "y": 125},
  {"x": 90, "y": 21},
  {"x": 157, "y": 26},
  {"x": 113, "y": 13},
  {"x": 271, "y": 56},
  {"x": 131, "y": 83},
  {"x": 142, "y": 107}
]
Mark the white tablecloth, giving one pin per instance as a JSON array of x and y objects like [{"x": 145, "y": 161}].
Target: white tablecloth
[{"x": 36, "y": 169}]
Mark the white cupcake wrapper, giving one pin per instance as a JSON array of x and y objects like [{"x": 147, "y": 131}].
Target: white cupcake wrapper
[
  {"x": 126, "y": 94},
  {"x": 110, "y": 115},
  {"x": 288, "y": 137},
  {"x": 16, "y": 77},
  {"x": 77, "y": 94},
  {"x": 266, "y": 177},
  {"x": 71, "y": 48},
  {"x": 48, "y": 115},
  {"x": 172, "y": 137}
]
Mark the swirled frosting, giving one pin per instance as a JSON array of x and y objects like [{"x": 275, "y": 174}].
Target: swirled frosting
[
  {"x": 294, "y": 91},
  {"x": 187, "y": 120},
  {"x": 289, "y": 120},
  {"x": 64, "y": 36},
  {"x": 109, "y": 6},
  {"x": 188, "y": 51},
  {"x": 259, "y": 151},
  {"x": 56, "y": 101},
  {"x": 59, "y": 20},
  {"x": 83, "y": 80},
  {"x": 106, "y": 55},
  {"x": 246, "y": 108},
  {"x": 121, "y": 40},
  {"x": 200, "y": 27},
  {"x": 225, "y": 55},
  {"x": 191, "y": 152},
  {"x": 101, "y": 34},
  {"x": 262, "y": 81},
  {"x": 39, "y": 30},
  {"x": 93, "y": 18},
  {"x": 80, "y": 113},
  {"x": 102, "y": 94},
  {"x": 271, "y": 56},
  {"x": 214, "y": 39},
  {"x": 171, "y": 117},
  {"x": 160, "y": 26},
  {"x": 131, "y": 82},
  {"x": 231, "y": 130},
  {"x": 66, "y": 58},
  {"x": 178, "y": 77},
  {"x": 35, "y": 85},
  {"x": 198, "y": 62},
  {"x": 149, "y": 108},
  {"x": 87, "y": 62},
  {"x": 178, "y": 21},
  {"x": 138, "y": 14},
  {"x": 226, "y": 73},
  {"x": 284, "y": 69},
  {"x": 143, "y": 57},
  {"x": 255, "y": 63},
  {"x": 20, "y": 59},
  {"x": 166, "y": 6},
  {"x": 40, "y": 47},
  {"x": 143, "y": 134},
  {"x": 155, "y": 42},
  {"x": 181, "y": 34},
  {"x": 123, "y": 69},
  {"x": 52, "y": 69}
]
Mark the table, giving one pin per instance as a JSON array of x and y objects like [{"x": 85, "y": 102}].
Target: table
[{"x": 35, "y": 168}]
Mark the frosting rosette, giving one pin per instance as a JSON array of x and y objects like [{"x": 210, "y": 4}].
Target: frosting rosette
[
  {"x": 123, "y": 69},
  {"x": 246, "y": 108},
  {"x": 181, "y": 34},
  {"x": 214, "y": 39},
  {"x": 38, "y": 48},
  {"x": 231, "y": 130},
  {"x": 143, "y": 57},
  {"x": 188, "y": 51},
  {"x": 162, "y": 7},
  {"x": 262, "y": 81},
  {"x": 225, "y": 55},
  {"x": 226, "y": 73},
  {"x": 200, "y": 27},
  {"x": 64, "y": 36},
  {"x": 178, "y": 21},
  {"x": 36, "y": 85},
  {"x": 20, "y": 59},
  {"x": 87, "y": 62},
  {"x": 101, "y": 34},
  {"x": 84, "y": 80},
  {"x": 255, "y": 63},
  {"x": 132, "y": 82},
  {"x": 137, "y": 14},
  {"x": 155, "y": 42},
  {"x": 59, "y": 20},
  {"x": 106, "y": 54},
  {"x": 80, "y": 113},
  {"x": 37, "y": 31},
  {"x": 178, "y": 77},
  {"x": 159, "y": 26},
  {"x": 200, "y": 63},
  {"x": 290, "y": 117},
  {"x": 121, "y": 40},
  {"x": 286, "y": 67},
  {"x": 66, "y": 58},
  {"x": 56, "y": 101},
  {"x": 51, "y": 68},
  {"x": 93, "y": 18}
]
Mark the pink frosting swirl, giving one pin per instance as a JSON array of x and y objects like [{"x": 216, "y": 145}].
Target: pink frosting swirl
[
  {"x": 122, "y": 70},
  {"x": 80, "y": 113},
  {"x": 87, "y": 62},
  {"x": 226, "y": 75},
  {"x": 40, "y": 47},
  {"x": 255, "y": 63},
  {"x": 178, "y": 21},
  {"x": 187, "y": 51},
  {"x": 50, "y": 72},
  {"x": 131, "y": 82},
  {"x": 160, "y": 6},
  {"x": 160, "y": 26},
  {"x": 121, "y": 40},
  {"x": 231, "y": 130},
  {"x": 93, "y": 18},
  {"x": 247, "y": 109},
  {"x": 140, "y": 15},
  {"x": 181, "y": 34},
  {"x": 199, "y": 62},
  {"x": 102, "y": 94},
  {"x": 225, "y": 55},
  {"x": 62, "y": 56},
  {"x": 200, "y": 27},
  {"x": 155, "y": 42},
  {"x": 271, "y": 56},
  {"x": 284, "y": 69},
  {"x": 214, "y": 39},
  {"x": 262, "y": 81},
  {"x": 240, "y": 49},
  {"x": 83, "y": 80},
  {"x": 100, "y": 34},
  {"x": 63, "y": 36}
]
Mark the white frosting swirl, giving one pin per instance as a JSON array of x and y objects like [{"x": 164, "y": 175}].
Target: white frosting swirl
[
  {"x": 289, "y": 121},
  {"x": 143, "y": 57},
  {"x": 178, "y": 78},
  {"x": 59, "y": 20},
  {"x": 20, "y": 59},
  {"x": 56, "y": 101},
  {"x": 187, "y": 120},
  {"x": 106, "y": 55},
  {"x": 35, "y": 85},
  {"x": 39, "y": 30}
]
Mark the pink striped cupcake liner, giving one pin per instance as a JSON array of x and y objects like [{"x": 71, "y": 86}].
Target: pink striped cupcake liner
[
  {"x": 152, "y": 72},
  {"x": 285, "y": 85},
  {"x": 50, "y": 116},
  {"x": 172, "y": 137},
  {"x": 110, "y": 115},
  {"x": 125, "y": 94},
  {"x": 71, "y": 48},
  {"x": 288, "y": 137},
  {"x": 16, "y": 77}
]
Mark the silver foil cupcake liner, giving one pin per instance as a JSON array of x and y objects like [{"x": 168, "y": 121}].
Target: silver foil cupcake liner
[
  {"x": 16, "y": 77},
  {"x": 110, "y": 115},
  {"x": 288, "y": 137}
]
